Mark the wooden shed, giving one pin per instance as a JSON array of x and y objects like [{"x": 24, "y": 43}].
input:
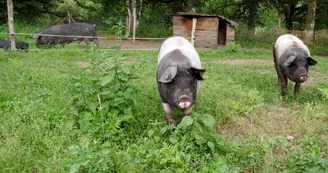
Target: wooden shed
[{"x": 204, "y": 30}]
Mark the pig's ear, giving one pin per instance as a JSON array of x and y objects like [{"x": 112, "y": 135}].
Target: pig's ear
[
  {"x": 311, "y": 61},
  {"x": 168, "y": 75},
  {"x": 289, "y": 61},
  {"x": 198, "y": 73}
]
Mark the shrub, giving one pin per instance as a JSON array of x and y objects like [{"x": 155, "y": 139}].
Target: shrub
[
  {"x": 232, "y": 47},
  {"x": 104, "y": 96}
]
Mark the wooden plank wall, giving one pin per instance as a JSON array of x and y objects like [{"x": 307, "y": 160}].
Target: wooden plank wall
[
  {"x": 206, "y": 34},
  {"x": 179, "y": 26},
  {"x": 230, "y": 33}
]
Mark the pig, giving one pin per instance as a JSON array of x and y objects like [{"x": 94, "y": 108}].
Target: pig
[
  {"x": 179, "y": 75},
  {"x": 86, "y": 32},
  {"x": 292, "y": 60},
  {"x": 20, "y": 45}
]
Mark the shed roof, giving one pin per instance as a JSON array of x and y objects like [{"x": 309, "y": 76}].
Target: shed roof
[{"x": 196, "y": 15}]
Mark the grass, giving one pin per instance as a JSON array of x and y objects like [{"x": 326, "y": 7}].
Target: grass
[{"x": 251, "y": 121}]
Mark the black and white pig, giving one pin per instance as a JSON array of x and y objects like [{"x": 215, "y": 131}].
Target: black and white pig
[
  {"x": 179, "y": 76},
  {"x": 292, "y": 60},
  {"x": 20, "y": 45},
  {"x": 65, "y": 34}
]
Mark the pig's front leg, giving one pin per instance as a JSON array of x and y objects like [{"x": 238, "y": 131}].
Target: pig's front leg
[
  {"x": 169, "y": 114},
  {"x": 297, "y": 88}
]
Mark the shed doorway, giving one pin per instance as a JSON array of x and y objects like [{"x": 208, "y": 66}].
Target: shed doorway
[{"x": 222, "y": 32}]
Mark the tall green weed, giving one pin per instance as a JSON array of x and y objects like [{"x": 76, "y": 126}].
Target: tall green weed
[{"x": 104, "y": 95}]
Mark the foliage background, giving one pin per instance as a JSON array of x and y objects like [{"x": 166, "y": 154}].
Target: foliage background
[{"x": 155, "y": 15}]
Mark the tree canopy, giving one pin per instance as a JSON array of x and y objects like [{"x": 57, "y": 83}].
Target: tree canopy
[{"x": 106, "y": 13}]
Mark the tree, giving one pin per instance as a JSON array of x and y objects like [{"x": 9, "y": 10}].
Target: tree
[
  {"x": 293, "y": 10},
  {"x": 132, "y": 5},
  {"x": 11, "y": 23},
  {"x": 249, "y": 10},
  {"x": 310, "y": 21},
  {"x": 35, "y": 9},
  {"x": 321, "y": 13}
]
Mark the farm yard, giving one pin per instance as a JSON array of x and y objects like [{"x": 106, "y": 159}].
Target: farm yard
[
  {"x": 60, "y": 116},
  {"x": 72, "y": 103}
]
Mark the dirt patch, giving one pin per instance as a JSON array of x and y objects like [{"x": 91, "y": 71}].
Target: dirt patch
[
  {"x": 320, "y": 53},
  {"x": 83, "y": 64},
  {"x": 277, "y": 122},
  {"x": 255, "y": 62},
  {"x": 315, "y": 78},
  {"x": 269, "y": 122},
  {"x": 143, "y": 44},
  {"x": 129, "y": 44}
]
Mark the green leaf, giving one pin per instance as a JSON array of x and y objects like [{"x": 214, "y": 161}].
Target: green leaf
[
  {"x": 74, "y": 149},
  {"x": 187, "y": 158},
  {"x": 74, "y": 168},
  {"x": 126, "y": 69},
  {"x": 208, "y": 120},
  {"x": 106, "y": 80},
  {"x": 164, "y": 129},
  {"x": 173, "y": 140},
  {"x": 93, "y": 107},
  {"x": 75, "y": 111},
  {"x": 150, "y": 132},
  {"x": 105, "y": 92},
  {"x": 198, "y": 138},
  {"x": 211, "y": 146},
  {"x": 185, "y": 122}
]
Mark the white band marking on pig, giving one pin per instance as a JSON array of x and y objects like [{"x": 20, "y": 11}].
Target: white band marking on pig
[
  {"x": 180, "y": 43},
  {"x": 284, "y": 41}
]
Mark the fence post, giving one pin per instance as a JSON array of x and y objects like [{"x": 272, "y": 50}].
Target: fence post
[{"x": 194, "y": 22}]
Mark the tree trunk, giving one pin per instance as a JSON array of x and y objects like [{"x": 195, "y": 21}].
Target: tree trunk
[
  {"x": 11, "y": 24},
  {"x": 128, "y": 24},
  {"x": 128, "y": 19},
  {"x": 253, "y": 15},
  {"x": 310, "y": 21},
  {"x": 133, "y": 16},
  {"x": 289, "y": 19},
  {"x": 139, "y": 12}
]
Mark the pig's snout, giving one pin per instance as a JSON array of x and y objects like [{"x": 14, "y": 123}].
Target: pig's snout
[
  {"x": 184, "y": 102},
  {"x": 303, "y": 78}
]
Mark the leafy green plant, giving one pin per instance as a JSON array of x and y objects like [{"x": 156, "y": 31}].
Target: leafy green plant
[
  {"x": 232, "y": 47},
  {"x": 111, "y": 37},
  {"x": 104, "y": 95},
  {"x": 125, "y": 37},
  {"x": 253, "y": 101},
  {"x": 118, "y": 29},
  {"x": 324, "y": 91},
  {"x": 308, "y": 158},
  {"x": 194, "y": 135}
]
